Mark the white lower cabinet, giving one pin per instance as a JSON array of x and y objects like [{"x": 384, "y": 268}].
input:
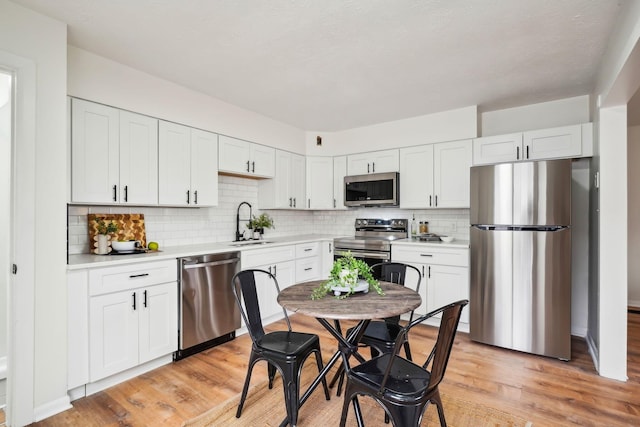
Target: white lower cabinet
[
  {"x": 279, "y": 261},
  {"x": 308, "y": 262},
  {"x": 444, "y": 270},
  {"x": 132, "y": 315}
]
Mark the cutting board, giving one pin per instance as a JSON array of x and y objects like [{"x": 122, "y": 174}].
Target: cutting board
[{"x": 130, "y": 226}]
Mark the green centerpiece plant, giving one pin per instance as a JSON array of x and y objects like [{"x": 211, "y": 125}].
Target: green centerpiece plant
[
  {"x": 344, "y": 275},
  {"x": 259, "y": 223}
]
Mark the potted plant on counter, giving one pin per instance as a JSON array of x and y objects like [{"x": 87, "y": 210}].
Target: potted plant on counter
[
  {"x": 102, "y": 238},
  {"x": 348, "y": 275},
  {"x": 259, "y": 223}
]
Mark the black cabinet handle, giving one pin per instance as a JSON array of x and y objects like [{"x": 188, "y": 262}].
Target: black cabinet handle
[
  {"x": 133, "y": 295},
  {"x": 187, "y": 196},
  {"x": 195, "y": 197},
  {"x": 115, "y": 193},
  {"x": 527, "y": 152},
  {"x": 290, "y": 202},
  {"x": 253, "y": 167},
  {"x": 373, "y": 167},
  {"x": 423, "y": 271},
  {"x": 126, "y": 193},
  {"x": 275, "y": 270},
  {"x": 436, "y": 200},
  {"x": 248, "y": 170},
  {"x": 133, "y": 276},
  {"x": 430, "y": 200},
  {"x": 144, "y": 300},
  {"x": 429, "y": 272},
  {"x": 308, "y": 268},
  {"x": 334, "y": 203},
  {"x": 368, "y": 171},
  {"x": 295, "y": 202},
  {"x": 517, "y": 153}
]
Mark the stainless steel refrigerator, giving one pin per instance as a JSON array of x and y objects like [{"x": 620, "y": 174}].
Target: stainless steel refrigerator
[{"x": 520, "y": 289}]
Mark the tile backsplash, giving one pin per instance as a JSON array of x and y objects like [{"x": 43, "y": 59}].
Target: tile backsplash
[{"x": 184, "y": 226}]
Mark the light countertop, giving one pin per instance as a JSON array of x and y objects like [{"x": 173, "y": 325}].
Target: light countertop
[
  {"x": 458, "y": 244},
  {"x": 82, "y": 261}
]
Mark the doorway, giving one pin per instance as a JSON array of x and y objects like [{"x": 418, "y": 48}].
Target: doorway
[{"x": 6, "y": 115}]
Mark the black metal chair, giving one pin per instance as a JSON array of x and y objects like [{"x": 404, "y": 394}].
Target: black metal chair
[
  {"x": 284, "y": 351},
  {"x": 381, "y": 335},
  {"x": 401, "y": 387}
]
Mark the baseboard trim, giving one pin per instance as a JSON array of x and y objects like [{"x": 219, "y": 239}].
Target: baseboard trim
[
  {"x": 51, "y": 408},
  {"x": 104, "y": 383}
]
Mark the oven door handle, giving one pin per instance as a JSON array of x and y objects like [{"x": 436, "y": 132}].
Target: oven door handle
[{"x": 360, "y": 254}]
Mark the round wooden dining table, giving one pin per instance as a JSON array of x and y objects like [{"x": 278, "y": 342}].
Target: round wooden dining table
[{"x": 361, "y": 306}]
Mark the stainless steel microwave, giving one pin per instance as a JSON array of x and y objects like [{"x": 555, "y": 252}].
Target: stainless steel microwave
[{"x": 374, "y": 189}]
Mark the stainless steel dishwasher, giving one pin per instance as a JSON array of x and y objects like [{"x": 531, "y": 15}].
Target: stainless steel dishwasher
[{"x": 208, "y": 311}]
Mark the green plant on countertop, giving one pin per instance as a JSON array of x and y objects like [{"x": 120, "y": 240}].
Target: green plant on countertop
[
  {"x": 342, "y": 274},
  {"x": 260, "y": 222},
  {"x": 103, "y": 228}
]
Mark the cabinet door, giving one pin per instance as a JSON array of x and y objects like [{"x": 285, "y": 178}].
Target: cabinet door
[
  {"x": 308, "y": 269},
  {"x": 447, "y": 284},
  {"x": 204, "y": 168},
  {"x": 263, "y": 160},
  {"x": 385, "y": 161},
  {"x": 281, "y": 184},
  {"x": 174, "y": 154},
  {"x": 452, "y": 163},
  {"x": 326, "y": 252},
  {"x": 497, "y": 149},
  {"x": 266, "y": 291},
  {"x": 320, "y": 182},
  {"x": 373, "y": 162},
  {"x": 298, "y": 181},
  {"x": 94, "y": 153},
  {"x": 416, "y": 177},
  {"x": 158, "y": 320},
  {"x": 565, "y": 141},
  {"x": 339, "y": 172},
  {"x": 233, "y": 155},
  {"x": 113, "y": 333},
  {"x": 138, "y": 159},
  {"x": 285, "y": 272}
]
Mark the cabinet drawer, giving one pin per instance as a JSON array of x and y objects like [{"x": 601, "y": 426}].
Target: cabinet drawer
[
  {"x": 307, "y": 269},
  {"x": 430, "y": 255},
  {"x": 307, "y": 249},
  {"x": 114, "y": 279},
  {"x": 255, "y": 257}
]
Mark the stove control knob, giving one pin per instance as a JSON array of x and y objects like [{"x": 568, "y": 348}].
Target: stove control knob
[{"x": 363, "y": 222}]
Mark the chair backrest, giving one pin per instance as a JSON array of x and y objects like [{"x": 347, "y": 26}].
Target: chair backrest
[
  {"x": 245, "y": 289},
  {"x": 444, "y": 343},
  {"x": 395, "y": 272}
]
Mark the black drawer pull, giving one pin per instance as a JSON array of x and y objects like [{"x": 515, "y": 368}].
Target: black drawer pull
[{"x": 133, "y": 276}]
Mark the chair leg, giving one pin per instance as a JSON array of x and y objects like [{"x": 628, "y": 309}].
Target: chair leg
[
  {"x": 345, "y": 409},
  {"x": 271, "y": 370},
  {"x": 436, "y": 400},
  {"x": 291, "y": 393},
  {"x": 324, "y": 380},
  {"x": 247, "y": 380}
]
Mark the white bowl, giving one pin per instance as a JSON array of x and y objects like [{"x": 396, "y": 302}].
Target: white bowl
[
  {"x": 446, "y": 239},
  {"x": 124, "y": 245}
]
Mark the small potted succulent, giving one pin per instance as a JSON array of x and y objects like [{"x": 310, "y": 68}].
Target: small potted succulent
[
  {"x": 344, "y": 278},
  {"x": 259, "y": 223}
]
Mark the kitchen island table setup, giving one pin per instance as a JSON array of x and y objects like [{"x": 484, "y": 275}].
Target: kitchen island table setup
[{"x": 362, "y": 307}]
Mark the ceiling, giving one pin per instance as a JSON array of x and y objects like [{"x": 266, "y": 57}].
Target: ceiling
[{"x": 327, "y": 65}]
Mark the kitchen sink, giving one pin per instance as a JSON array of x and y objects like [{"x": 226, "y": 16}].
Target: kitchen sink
[{"x": 250, "y": 243}]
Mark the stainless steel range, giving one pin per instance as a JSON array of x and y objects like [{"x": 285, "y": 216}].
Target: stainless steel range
[{"x": 372, "y": 240}]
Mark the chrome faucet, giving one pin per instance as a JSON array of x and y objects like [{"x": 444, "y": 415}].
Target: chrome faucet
[{"x": 238, "y": 234}]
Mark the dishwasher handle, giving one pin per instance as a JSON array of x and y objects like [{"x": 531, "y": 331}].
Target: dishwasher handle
[{"x": 210, "y": 264}]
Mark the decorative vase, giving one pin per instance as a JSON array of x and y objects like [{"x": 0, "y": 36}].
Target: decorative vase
[
  {"x": 257, "y": 233},
  {"x": 349, "y": 282},
  {"x": 102, "y": 244}
]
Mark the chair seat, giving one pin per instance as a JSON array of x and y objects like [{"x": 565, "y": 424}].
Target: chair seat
[
  {"x": 288, "y": 343},
  {"x": 406, "y": 379},
  {"x": 382, "y": 331}
]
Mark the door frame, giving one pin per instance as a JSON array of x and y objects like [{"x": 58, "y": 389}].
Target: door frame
[{"x": 21, "y": 286}]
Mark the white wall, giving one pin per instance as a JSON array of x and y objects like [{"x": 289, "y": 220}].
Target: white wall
[
  {"x": 562, "y": 112},
  {"x": 99, "y": 79},
  {"x": 5, "y": 203},
  {"x": 41, "y": 40},
  {"x": 449, "y": 125},
  {"x": 633, "y": 180}
]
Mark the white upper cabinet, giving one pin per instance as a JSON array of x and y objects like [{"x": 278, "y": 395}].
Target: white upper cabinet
[
  {"x": 553, "y": 143},
  {"x": 339, "y": 172},
  {"x": 114, "y": 155},
  {"x": 435, "y": 175},
  {"x": 373, "y": 162},
  {"x": 138, "y": 159},
  {"x": 451, "y": 174},
  {"x": 188, "y": 166},
  {"x": 240, "y": 157},
  {"x": 320, "y": 183},
  {"x": 286, "y": 189}
]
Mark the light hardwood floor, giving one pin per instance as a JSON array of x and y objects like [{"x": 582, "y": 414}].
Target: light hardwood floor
[{"x": 546, "y": 391}]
